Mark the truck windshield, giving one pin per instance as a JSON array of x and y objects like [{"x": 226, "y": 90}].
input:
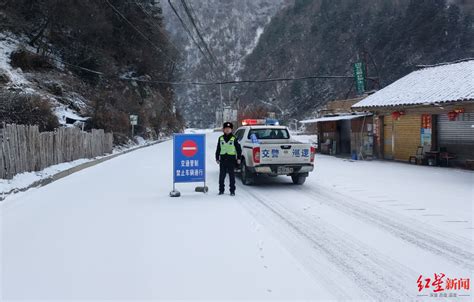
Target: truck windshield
[{"x": 269, "y": 133}]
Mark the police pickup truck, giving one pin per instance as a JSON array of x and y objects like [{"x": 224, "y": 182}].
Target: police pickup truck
[{"x": 269, "y": 149}]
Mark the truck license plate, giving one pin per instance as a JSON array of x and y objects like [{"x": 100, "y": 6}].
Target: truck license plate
[{"x": 285, "y": 170}]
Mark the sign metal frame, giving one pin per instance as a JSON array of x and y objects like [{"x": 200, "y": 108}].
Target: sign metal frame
[{"x": 200, "y": 157}]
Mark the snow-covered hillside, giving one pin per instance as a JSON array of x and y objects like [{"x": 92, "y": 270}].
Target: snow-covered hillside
[
  {"x": 328, "y": 37},
  {"x": 71, "y": 57},
  {"x": 231, "y": 29},
  {"x": 65, "y": 103},
  {"x": 13, "y": 78}
]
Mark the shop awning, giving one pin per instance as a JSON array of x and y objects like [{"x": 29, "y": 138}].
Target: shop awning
[{"x": 335, "y": 118}]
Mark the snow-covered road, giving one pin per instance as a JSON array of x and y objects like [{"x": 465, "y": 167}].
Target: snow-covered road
[{"x": 355, "y": 230}]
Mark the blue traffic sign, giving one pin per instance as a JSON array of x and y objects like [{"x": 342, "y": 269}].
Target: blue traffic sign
[{"x": 189, "y": 158}]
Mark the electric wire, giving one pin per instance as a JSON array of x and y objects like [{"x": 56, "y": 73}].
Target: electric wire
[{"x": 139, "y": 31}]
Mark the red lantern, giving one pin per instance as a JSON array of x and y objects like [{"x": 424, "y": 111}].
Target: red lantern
[
  {"x": 396, "y": 115},
  {"x": 452, "y": 115}
]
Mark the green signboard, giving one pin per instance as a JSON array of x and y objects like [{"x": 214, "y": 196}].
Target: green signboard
[{"x": 359, "y": 76}]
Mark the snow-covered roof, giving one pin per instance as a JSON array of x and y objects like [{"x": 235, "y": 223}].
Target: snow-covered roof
[
  {"x": 334, "y": 118},
  {"x": 436, "y": 84}
]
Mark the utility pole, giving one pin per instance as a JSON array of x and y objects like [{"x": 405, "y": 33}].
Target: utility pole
[
  {"x": 222, "y": 103},
  {"x": 366, "y": 70}
]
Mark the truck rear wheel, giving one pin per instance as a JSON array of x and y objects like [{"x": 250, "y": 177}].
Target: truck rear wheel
[
  {"x": 247, "y": 177},
  {"x": 298, "y": 179}
]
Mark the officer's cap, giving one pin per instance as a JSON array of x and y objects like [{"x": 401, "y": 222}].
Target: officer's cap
[{"x": 228, "y": 125}]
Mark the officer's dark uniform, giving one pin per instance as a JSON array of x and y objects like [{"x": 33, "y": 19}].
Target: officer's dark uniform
[{"x": 227, "y": 152}]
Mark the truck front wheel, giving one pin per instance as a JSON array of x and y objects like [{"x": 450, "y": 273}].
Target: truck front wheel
[{"x": 298, "y": 179}]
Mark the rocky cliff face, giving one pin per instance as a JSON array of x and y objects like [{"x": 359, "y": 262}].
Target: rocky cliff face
[{"x": 231, "y": 29}]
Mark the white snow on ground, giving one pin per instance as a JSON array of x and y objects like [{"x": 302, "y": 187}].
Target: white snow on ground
[
  {"x": 432, "y": 195},
  {"x": 63, "y": 112},
  {"x": 198, "y": 131},
  {"x": 140, "y": 140},
  {"x": 307, "y": 138},
  {"x": 112, "y": 232},
  {"x": 137, "y": 142},
  {"x": 23, "y": 180},
  {"x": 355, "y": 230}
]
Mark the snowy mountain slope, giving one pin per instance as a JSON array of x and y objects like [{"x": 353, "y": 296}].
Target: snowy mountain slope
[
  {"x": 72, "y": 56},
  {"x": 13, "y": 78},
  {"x": 231, "y": 29},
  {"x": 66, "y": 103},
  {"x": 326, "y": 37}
]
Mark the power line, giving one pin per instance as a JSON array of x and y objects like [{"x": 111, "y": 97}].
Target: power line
[
  {"x": 158, "y": 27},
  {"x": 230, "y": 82},
  {"x": 193, "y": 12},
  {"x": 70, "y": 64},
  {"x": 138, "y": 31},
  {"x": 111, "y": 77},
  {"x": 193, "y": 22},
  {"x": 199, "y": 83},
  {"x": 190, "y": 34},
  {"x": 189, "y": 12},
  {"x": 197, "y": 24}
]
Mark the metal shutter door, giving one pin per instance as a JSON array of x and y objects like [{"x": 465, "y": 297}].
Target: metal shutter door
[{"x": 458, "y": 132}]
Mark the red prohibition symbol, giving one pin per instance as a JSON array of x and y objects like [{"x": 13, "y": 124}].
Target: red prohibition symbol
[{"x": 189, "y": 148}]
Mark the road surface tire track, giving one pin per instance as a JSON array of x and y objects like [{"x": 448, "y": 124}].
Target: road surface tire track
[
  {"x": 430, "y": 241},
  {"x": 299, "y": 247},
  {"x": 374, "y": 274}
]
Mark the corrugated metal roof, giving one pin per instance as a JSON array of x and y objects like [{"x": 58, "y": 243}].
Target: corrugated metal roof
[
  {"x": 333, "y": 118},
  {"x": 438, "y": 84}
]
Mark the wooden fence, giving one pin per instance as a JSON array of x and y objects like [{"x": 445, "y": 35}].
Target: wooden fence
[{"x": 25, "y": 149}]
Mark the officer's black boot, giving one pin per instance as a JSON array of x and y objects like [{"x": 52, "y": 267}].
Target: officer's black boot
[
  {"x": 230, "y": 169},
  {"x": 222, "y": 173}
]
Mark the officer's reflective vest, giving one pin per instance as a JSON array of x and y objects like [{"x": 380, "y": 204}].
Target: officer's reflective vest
[{"x": 227, "y": 148}]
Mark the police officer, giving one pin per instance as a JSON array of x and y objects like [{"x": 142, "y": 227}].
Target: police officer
[{"x": 228, "y": 155}]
